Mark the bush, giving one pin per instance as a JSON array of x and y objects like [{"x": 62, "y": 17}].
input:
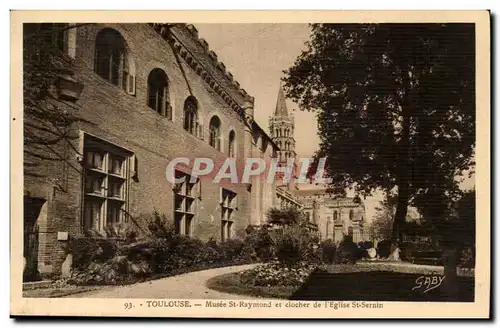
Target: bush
[
  {"x": 468, "y": 258},
  {"x": 275, "y": 274},
  {"x": 384, "y": 248},
  {"x": 260, "y": 242},
  {"x": 328, "y": 251},
  {"x": 86, "y": 250},
  {"x": 347, "y": 252},
  {"x": 365, "y": 245},
  {"x": 292, "y": 245}
]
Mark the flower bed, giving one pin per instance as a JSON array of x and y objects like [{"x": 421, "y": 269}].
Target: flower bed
[{"x": 269, "y": 280}]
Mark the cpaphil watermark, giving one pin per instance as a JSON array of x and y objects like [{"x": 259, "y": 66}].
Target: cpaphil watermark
[{"x": 253, "y": 167}]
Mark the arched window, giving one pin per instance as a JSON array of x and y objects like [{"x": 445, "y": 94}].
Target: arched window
[
  {"x": 158, "y": 92},
  {"x": 111, "y": 61},
  {"x": 191, "y": 115},
  {"x": 215, "y": 132},
  {"x": 351, "y": 214},
  {"x": 231, "y": 142}
]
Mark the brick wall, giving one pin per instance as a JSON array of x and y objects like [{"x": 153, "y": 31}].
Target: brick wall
[{"x": 125, "y": 120}]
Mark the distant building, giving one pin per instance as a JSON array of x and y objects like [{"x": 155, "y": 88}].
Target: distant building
[{"x": 335, "y": 217}]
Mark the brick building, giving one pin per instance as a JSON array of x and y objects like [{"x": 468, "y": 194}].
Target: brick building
[{"x": 145, "y": 94}]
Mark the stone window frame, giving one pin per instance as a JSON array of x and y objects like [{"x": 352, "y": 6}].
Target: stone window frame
[
  {"x": 184, "y": 200},
  {"x": 99, "y": 207},
  {"x": 113, "y": 44},
  {"x": 159, "y": 101},
  {"x": 229, "y": 205},
  {"x": 191, "y": 122},
  {"x": 215, "y": 135},
  {"x": 231, "y": 144}
]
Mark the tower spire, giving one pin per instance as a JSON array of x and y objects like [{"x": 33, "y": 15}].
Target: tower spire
[{"x": 281, "y": 109}]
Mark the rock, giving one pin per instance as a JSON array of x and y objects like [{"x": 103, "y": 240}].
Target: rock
[
  {"x": 372, "y": 253},
  {"x": 66, "y": 266}
]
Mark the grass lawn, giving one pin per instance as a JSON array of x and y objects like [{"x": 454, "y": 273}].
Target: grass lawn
[
  {"x": 355, "y": 283},
  {"x": 232, "y": 284}
]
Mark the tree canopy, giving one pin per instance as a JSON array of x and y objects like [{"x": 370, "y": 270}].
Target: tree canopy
[{"x": 395, "y": 105}]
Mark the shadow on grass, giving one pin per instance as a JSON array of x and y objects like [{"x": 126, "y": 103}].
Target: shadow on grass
[{"x": 377, "y": 286}]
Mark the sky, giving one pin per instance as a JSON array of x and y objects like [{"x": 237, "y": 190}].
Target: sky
[{"x": 256, "y": 55}]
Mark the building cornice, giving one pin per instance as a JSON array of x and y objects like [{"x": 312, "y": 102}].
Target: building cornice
[{"x": 212, "y": 71}]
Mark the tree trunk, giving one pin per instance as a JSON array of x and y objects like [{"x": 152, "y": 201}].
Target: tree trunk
[
  {"x": 400, "y": 216},
  {"x": 450, "y": 282}
]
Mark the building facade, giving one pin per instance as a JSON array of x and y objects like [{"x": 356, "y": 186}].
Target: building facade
[
  {"x": 334, "y": 216},
  {"x": 145, "y": 95}
]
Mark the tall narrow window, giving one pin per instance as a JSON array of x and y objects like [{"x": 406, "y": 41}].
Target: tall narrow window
[
  {"x": 158, "y": 93},
  {"x": 228, "y": 206},
  {"x": 184, "y": 204},
  {"x": 191, "y": 115},
  {"x": 335, "y": 216},
  {"x": 231, "y": 142},
  {"x": 351, "y": 214},
  {"x": 105, "y": 184},
  {"x": 215, "y": 132},
  {"x": 110, "y": 57}
]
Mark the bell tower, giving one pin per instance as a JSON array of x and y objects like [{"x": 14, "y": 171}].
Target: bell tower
[{"x": 281, "y": 127}]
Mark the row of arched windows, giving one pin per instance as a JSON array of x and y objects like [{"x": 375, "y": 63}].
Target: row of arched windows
[
  {"x": 114, "y": 65},
  {"x": 287, "y": 145},
  {"x": 283, "y": 132}
]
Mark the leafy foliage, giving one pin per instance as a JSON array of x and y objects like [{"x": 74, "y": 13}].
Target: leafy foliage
[
  {"x": 275, "y": 274},
  {"x": 328, "y": 251},
  {"x": 384, "y": 248},
  {"x": 48, "y": 120},
  {"x": 347, "y": 252},
  {"x": 395, "y": 106}
]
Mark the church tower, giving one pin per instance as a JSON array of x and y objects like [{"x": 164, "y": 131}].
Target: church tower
[{"x": 281, "y": 127}]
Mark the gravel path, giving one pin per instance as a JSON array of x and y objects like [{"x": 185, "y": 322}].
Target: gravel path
[{"x": 185, "y": 286}]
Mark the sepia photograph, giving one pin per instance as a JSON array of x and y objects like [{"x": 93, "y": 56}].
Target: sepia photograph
[{"x": 269, "y": 168}]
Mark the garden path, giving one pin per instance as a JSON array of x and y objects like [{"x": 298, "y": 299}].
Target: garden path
[{"x": 185, "y": 286}]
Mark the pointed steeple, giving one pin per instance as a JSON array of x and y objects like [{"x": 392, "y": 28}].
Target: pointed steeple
[{"x": 281, "y": 109}]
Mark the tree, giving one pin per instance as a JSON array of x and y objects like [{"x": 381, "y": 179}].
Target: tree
[
  {"x": 48, "y": 118},
  {"x": 395, "y": 106}
]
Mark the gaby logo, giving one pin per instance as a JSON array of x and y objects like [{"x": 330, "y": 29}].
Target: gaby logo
[{"x": 205, "y": 167}]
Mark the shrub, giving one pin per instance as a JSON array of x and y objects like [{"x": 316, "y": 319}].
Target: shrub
[
  {"x": 260, "y": 242},
  {"x": 282, "y": 217},
  {"x": 384, "y": 248},
  {"x": 275, "y": 274},
  {"x": 291, "y": 245},
  {"x": 347, "y": 252},
  {"x": 328, "y": 251},
  {"x": 87, "y": 250},
  {"x": 468, "y": 258},
  {"x": 365, "y": 244}
]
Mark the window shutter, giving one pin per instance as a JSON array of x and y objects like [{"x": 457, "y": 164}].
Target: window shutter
[
  {"x": 200, "y": 131},
  {"x": 131, "y": 84},
  {"x": 198, "y": 187},
  {"x": 80, "y": 155},
  {"x": 133, "y": 167}
]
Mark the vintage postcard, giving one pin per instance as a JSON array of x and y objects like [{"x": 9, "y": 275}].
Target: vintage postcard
[{"x": 239, "y": 164}]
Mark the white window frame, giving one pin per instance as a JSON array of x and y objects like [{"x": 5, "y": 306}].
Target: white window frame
[
  {"x": 96, "y": 194},
  {"x": 229, "y": 205},
  {"x": 184, "y": 200}
]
